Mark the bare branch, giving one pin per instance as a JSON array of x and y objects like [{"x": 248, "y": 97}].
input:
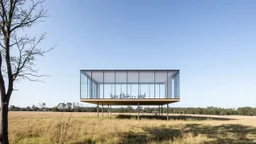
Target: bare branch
[
  {"x": 30, "y": 79},
  {"x": 27, "y": 18},
  {"x": 26, "y": 57}
]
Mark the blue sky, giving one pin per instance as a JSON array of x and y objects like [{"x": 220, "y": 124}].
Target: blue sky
[{"x": 211, "y": 42}]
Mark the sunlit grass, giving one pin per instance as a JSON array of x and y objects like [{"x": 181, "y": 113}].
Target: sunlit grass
[{"x": 78, "y": 128}]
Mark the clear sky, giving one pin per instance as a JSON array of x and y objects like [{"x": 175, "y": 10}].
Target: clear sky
[{"x": 211, "y": 42}]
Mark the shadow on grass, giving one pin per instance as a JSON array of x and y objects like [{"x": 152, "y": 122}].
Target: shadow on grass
[
  {"x": 230, "y": 133},
  {"x": 172, "y": 117},
  {"x": 221, "y": 134}
]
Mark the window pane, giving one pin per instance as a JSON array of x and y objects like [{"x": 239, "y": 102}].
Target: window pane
[
  {"x": 161, "y": 84},
  {"x": 145, "y": 79},
  {"x": 97, "y": 79},
  {"x": 169, "y": 85},
  {"x": 121, "y": 83},
  {"x": 133, "y": 81},
  {"x": 86, "y": 92},
  {"x": 177, "y": 86},
  {"x": 109, "y": 81},
  {"x": 83, "y": 86}
]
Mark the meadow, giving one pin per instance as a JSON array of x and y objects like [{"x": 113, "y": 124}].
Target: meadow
[{"x": 86, "y": 128}]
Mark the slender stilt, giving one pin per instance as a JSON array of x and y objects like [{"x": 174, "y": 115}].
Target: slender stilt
[
  {"x": 167, "y": 112},
  {"x": 102, "y": 111},
  {"x": 162, "y": 110},
  {"x": 98, "y": 109},
  {"x": 138, "y": 111},
  {"x": 159, "y": 111},
  {"x": 108, "y": 111}
]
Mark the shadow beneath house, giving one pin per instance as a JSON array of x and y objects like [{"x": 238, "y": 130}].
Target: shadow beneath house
[
  {"x": 173, "y": 117},
  {"x": 232, "y": 133}
]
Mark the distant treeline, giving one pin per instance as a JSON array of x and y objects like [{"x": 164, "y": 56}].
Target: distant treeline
[{"x": 76, "y": 107}]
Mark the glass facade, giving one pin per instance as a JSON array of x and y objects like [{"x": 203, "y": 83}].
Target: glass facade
[{"x": 129, "y": 84}]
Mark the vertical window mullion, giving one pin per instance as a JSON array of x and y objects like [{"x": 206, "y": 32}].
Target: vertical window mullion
[
  {"x": 91, "y": 95},
  {"x": 166, "y": 95},
  {"x": 138, "y": 83},
  {"x": 154, "y": 84},
  {"x": 115, "y": 82},
  {"x": 126, "y": 82},
  {"x": 80, "y": 84},
  {"x": 103, "y": 83},
  {"x": 87, "y": 89}
]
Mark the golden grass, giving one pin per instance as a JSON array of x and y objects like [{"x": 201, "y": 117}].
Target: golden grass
[{"x": 79, "y": 128}]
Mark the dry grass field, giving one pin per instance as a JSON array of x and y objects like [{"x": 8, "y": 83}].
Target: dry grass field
[{"x": 83, "y": 128}]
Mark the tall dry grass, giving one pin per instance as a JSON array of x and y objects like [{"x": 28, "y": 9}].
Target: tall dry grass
[{"x": 79, "y": 128}]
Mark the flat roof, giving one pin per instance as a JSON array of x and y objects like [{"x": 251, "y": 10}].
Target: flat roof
[{"x": 129, "y": 70}]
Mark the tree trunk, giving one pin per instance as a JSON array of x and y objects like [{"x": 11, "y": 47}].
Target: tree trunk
[{"x": 4, "y": 123}]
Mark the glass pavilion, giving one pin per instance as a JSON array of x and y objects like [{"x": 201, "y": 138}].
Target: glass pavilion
[{"x": 129, "y": 87}]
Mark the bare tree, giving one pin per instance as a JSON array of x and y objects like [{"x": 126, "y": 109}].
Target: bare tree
[{"x": 18, "y": 51}]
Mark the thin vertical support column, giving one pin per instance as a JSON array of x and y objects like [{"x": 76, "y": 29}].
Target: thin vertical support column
[
  {"x": 159, "y": 110},
  {"x": 167, "y": 112},
  {"x": 108, "y": 111},
  {"x": 98, "y": 109},
  {"x": 162, "y": 110},
  {"x": 102, "y": 110},
  {"x": 161, "y": 107},
  {"x": 138, "y": 111}
]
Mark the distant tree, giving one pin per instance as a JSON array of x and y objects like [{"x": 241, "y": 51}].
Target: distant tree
[
  {"x": 42, "y": 105},
  {"x": 62, "y": 106},
  {"x": 34, "y": 108},
  {"x": 69, "y": 106},
  {"x": 75, "y": 107},
  {"x": 12, "y": 108},
  {"x": 28, "y": 108},
  {"x": 55, "y": 108}
]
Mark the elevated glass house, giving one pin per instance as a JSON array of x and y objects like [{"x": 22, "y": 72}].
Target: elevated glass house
[{"x": 129, "y": 87}]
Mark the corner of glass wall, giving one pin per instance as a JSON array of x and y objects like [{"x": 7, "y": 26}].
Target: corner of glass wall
[
  {"x": 176, "y": 81},
  {"x": 97, "y": 84},
  {"x": 169, "y": 84},
  {"x": 85, "y": 81}
]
